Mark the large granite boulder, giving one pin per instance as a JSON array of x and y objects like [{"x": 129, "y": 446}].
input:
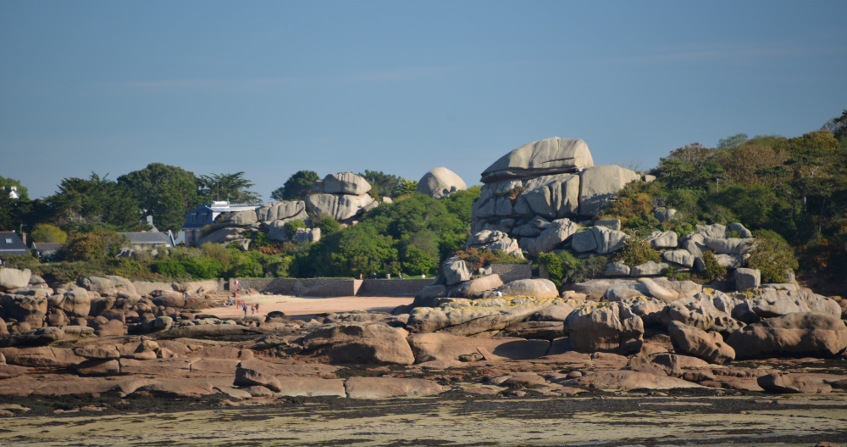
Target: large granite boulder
[
  {"x": 439, "y": 346},
  {"x": 549, "y": 156},
  {"x": 708, "y": 346},
  {"x": 472, "y": 317},
  {"x": 30, "y": 308},
  {"x": 604, "y": 327},
  {"x": 281, "y": 211},
  {"x": 276, "y": 229},
  {"x": 558, "y": 231},
  {"x": 360, "y": 343},
  {"x": 793, "y": 383},
  {"x": 243, "y": 218},
  {"x": 440, "y": 182},
  {"x": 599, "y": 184},
  {"x": 455, "y": 271},
  {"x": 707, "y": 311},
  {"x": 476, "y": 286},
  {"x": 13, "y": 278},
  {"x": 346, "y": 183},
  {"x": 339, "y": 206},
  {"x": 539, "y": 288},
  {"x": 608, "y": 240},
  {"x": 808, "y": 334},
  {"x": 306, "y": 235},
  {"x": 75, "y": 303},
  {"x": 494, "y": 240},
  {"x": 768, "y": 302},
  {"x": 549, "y": 196}
]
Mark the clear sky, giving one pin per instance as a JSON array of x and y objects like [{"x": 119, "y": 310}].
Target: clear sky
[{"x": 273, "y": 87}]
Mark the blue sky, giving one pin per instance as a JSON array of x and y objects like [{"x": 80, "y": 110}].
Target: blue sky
[{"x": 273, "y": 87}]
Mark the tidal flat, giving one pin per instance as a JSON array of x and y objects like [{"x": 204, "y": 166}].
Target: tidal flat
[{"x": 450, "y": 419}]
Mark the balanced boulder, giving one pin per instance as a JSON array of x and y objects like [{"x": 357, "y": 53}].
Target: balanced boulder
[{"x": 440, "y": 182}]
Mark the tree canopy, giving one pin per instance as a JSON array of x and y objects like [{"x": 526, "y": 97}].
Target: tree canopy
[
  {"x": 163, "y": 191},
  {"x": 233, "y": 188},
  {"x": 297, "y": 187}
]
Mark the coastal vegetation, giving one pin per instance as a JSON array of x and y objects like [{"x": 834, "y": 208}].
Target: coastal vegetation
[{"x": 791, "y": 192}]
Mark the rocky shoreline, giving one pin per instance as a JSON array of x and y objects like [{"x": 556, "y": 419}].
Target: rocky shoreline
[{"x": 99, "y": 350}]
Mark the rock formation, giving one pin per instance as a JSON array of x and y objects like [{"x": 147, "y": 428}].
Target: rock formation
[{"x": 440, "y": 182}]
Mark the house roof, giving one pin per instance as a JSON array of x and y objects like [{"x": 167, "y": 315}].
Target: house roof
[
  {"x": 47, "y": 246},
  {"x": 11, "y": 244},
  {"x": 143, "y": 238}
]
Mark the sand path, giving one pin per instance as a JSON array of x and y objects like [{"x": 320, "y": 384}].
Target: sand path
[{"x": 306, "y": 306}]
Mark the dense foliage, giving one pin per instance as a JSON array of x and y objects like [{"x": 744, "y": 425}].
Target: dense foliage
[
  {"x": 297, "y": 187},
  {"x": 796, "y": 188}
]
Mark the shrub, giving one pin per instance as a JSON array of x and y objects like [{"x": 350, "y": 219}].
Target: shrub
[
  {"x": 291, "y": 227},
  {"x": 416, "y": 261},
  {"x": 713, "y": 269},
  {"x": 94, "y": 246},
  {"x": 328, "y": 225},
  {"x": 637, "y": 251},
  {"x": 772, "y": 256},
  {"x": 553, "y": 265},
  {"x": 480, "y": 258},
  {"x": 588, "y": 268},
  {"x": 48, "y": 233}
]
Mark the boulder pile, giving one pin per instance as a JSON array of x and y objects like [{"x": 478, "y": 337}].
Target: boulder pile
[{"x": 343, "y": 197}]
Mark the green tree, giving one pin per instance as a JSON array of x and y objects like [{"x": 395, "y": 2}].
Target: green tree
[
  {"x": 166, "y": 192},
  {"x": 13, "y": 212},
  {"x": 406, "y": 187},
  {"x": 48, "y": 233},
  {"x": 837, "y": 126},
  {"x": 95, "y": 246},
  {"x": 95, "y": 201},
  {"x": 382, "y": 184},
  {"x": 290, "y": 228},
  {"x": 773, "y": 257},
  {"x": 808, "y": 157},
  {"x": 356, "y": 250},
  {"x": 233, "y": 188},
  {"x": 328, "y": 225},
  {"x": 297, "y": 187},
  {"x": 636, "y": 251},
  {"x": 732, "y": 142}
]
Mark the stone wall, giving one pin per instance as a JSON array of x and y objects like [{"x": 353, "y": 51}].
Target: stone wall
[
  {"x": 393, "y": 287},
  {"x": 332, "y": 287}
]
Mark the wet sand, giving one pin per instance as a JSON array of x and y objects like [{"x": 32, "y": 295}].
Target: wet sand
[{"x": 626, "y": 420}]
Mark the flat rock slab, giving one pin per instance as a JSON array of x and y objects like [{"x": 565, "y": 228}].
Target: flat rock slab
[
  {"x": 156, "y": 367},
  {"x": 384, "y": 387},
  {"x": 629, "y": 380},
  {"x": 310, "y": 386},
  {"x": 439, "y": 346},
  {"x": 213, "y": 366}
]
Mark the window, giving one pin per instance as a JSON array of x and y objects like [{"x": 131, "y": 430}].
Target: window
[{"x": 8, "y": 240}]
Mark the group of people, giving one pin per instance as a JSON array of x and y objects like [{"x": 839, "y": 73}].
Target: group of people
[{"x": 253, "y": 308}]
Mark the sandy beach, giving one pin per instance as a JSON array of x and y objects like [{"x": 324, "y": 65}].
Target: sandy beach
[{"x": 304, "y": 307}]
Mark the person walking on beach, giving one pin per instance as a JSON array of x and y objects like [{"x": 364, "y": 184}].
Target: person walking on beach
[{"x": 244, "y": 307}]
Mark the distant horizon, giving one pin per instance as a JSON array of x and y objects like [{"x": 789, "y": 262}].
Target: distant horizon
[{"x": 274, "y": 87}]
